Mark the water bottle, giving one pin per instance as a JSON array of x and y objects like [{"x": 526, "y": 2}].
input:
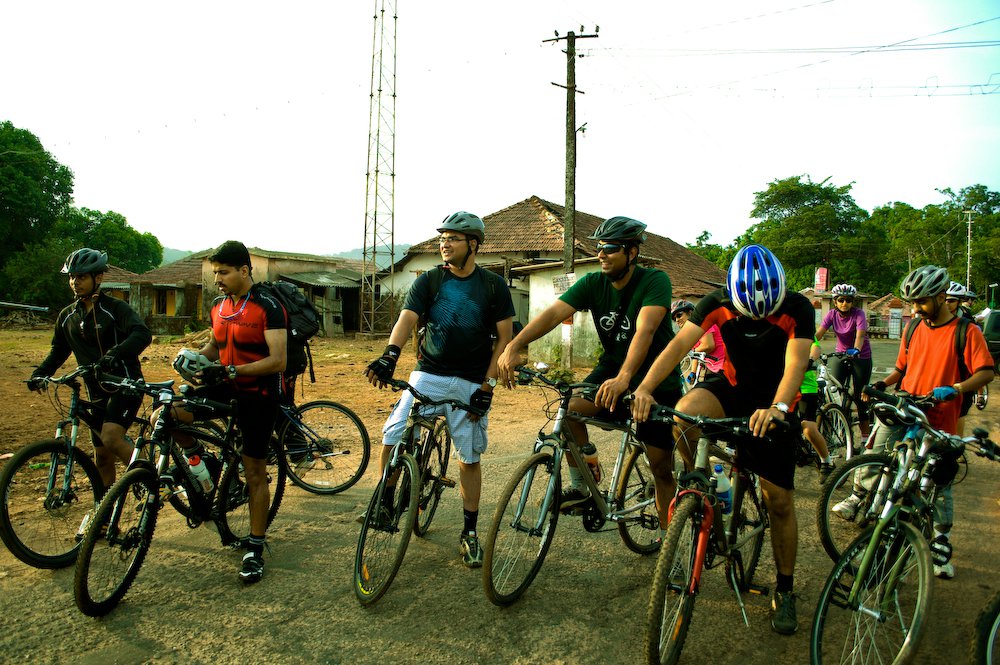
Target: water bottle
[
  {"x": 201, "y": 473},
  {"x": 589, "y": 451},
  {"x": 723, "y": 490}
]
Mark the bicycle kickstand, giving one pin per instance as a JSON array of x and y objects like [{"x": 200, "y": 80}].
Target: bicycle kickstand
[{"x": 734, "y": 585}]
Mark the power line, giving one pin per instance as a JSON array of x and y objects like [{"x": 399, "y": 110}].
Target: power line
[{"x": 852, "y": 50}]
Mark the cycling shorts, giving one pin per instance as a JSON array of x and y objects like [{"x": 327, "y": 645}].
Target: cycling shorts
[
  {"x": 117, "y": 408},
  {"x": 256, "y": 415},
  {"x": 808, "y": 406},
  {"x": 656, "y": 434}
]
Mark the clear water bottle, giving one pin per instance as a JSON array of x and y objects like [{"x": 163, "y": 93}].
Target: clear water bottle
[
  {"x": 723, "y": 490},
  {"x": 589, "y": 451},
  {"x": 201, "y": 473}
]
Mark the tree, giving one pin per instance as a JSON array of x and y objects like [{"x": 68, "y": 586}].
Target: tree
[
  {"x": 35, "y": 190},
  {"x": 717, "y": 254},
  {"x": 110, "y": 232}
]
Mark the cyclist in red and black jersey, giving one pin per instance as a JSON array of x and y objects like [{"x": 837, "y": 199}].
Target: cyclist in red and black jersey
[{"x": 767, "y": 333}]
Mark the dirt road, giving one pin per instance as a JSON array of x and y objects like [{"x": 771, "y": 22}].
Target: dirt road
[{"x": 587, "y": 605}]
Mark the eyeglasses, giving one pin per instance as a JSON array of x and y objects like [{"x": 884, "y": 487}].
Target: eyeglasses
[
  {"x": 951, "y": 299},
  {"x": 449, "y": 240},
  {"x": 676, "y": 317},
  {"x": 609, "y": 247},
  {"x": 844, "y": 299}
]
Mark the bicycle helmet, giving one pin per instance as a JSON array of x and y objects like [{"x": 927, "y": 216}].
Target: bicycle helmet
[
  {"x": 847, "y": 290},
  {"x": 924, "y": 282},
  {"x": 622, "y": 229},
  {"x": 464, "y": 222},
  {"x": 756, "y": 282},
  {"x": 188, "y": 362},
  {"x": 84, "y": 261},
  {"x": 956, "y": 290},
  {"x": 679, "y": 306}
]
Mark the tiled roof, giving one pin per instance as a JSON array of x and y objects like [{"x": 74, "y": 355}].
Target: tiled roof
[
  {"x": 186, "y": 270},
  {"x": 536, "y": 225},
  {"x": 116, "y": 274}
]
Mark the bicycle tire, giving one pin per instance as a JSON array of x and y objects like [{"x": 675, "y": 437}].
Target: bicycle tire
[
  {"x": 671, "y": 600},
  {"x": 985, "y": 645},
  {"x": 640, "y": 531},
  {"x": 883, "y": 628},
  {"x": 752, "y": 514},
  {"x": 386, "y": 532},
  {"x": 834, "y": 424},
  {"x": 435, "y": 448},
  {"x": 110, "y": 557},
  {"x": 233, "y": 500},
  {"x": 37, "y": 525},
  {"x": 835, "y": 532},
  {"x": 328, "y": 452},
  {"x": 513, "y": 552}
]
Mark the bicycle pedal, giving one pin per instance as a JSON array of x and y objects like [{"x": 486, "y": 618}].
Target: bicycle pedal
[
  {"x": 759, "y": 590},
  {"x": 447, "y": 482}
]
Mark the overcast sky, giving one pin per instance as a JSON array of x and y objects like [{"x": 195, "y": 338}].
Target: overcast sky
[{"x": 204, "y": 121}]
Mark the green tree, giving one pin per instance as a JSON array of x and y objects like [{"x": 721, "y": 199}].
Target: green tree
[
  {"x": 109, "y": 232},
  {"x": 717, "y": 254},
  {"x": 35, "y": 190}
]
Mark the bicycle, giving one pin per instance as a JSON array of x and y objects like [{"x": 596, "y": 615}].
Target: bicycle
[
  {"x": 985, "y": 646},
  {"x": 120, "y": 534},
  {"x": 407, "y": 494},
  {"x": 700, "y": 537},
  {"x": 48, "y": 487},
  {"x": 836, "y": 403},
  {"x": 693, "y": 369},
  {"x": 875, "y": 601},
  {"x": 528, "y": 509}
]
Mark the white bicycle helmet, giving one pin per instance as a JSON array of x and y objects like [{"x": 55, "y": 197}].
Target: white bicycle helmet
[
  {"x": 924, "y": 282},
  {"x": 188, "y": 362},
  {"x": 756, "y": 282},
  {"x": 956, "y": 290},
  {"x": 847, "y": 290}
]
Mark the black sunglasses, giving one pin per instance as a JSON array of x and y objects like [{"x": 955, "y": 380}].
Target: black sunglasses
[{"x": 609, "y": 247}]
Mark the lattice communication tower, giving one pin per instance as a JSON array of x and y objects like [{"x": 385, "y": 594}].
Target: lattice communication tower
[{"x": 378, "y": 309}]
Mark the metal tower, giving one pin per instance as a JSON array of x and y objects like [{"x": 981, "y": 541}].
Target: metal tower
[{"x": 377, "y": 309}]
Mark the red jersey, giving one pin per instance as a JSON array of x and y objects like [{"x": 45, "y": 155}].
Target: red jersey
[{"x": 239, "y": 328}]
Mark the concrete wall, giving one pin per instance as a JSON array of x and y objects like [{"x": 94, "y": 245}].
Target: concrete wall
[{"x": 586, "y": 344}]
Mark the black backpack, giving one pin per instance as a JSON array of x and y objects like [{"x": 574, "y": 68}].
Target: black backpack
[{"x": 303, "y": 324}]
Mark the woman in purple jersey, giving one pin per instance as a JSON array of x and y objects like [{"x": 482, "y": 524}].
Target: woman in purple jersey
[{"x": 850, "y": 325}]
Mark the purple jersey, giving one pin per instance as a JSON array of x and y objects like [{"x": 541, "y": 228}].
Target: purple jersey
[{"x": 846, "y": 327}]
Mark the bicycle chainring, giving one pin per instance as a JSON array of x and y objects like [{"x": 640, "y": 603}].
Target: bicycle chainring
[{"x": 592, "y": 519}]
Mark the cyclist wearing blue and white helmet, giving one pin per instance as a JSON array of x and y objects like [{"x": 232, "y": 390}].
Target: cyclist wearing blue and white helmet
[{"x": 768, "y": 332}]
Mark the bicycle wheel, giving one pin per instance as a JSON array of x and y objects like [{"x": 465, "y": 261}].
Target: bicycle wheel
[
  {"x": 835, "y": 425},
  {"x": 44, "y": 499},
  {"x": 233, "y": 499},
  {"x": 325, "y": 447},
  {"x": 986, "y": 636},
  {"x": 982, "y": 397},
  {"x": 210, "y": 435},
  {"x": 116, "y": 542},
  {"x": 887, "y": 621},
  {"x": 855, "y": 483},
  {"x": 435, "y": 447},
  {"x": 635, "y": 496},
  {"x": 521, "y": 533},
  {"x": 386, "y": 532},
  {"x": 685, "y": 369},
  {"x": 751, "y": 521},
  {"x": 671, "y": 599}
]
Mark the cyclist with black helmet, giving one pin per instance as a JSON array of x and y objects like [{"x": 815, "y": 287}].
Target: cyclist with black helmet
[
  {"x": 458, "y": 356},
  {"x": 928, "y": 364},
  {"x": 629, "y": 305},
  {"x": 97, "y": 328},
  {"x": 850, "y": 326},
  {"x": 711, "y": 343},
  {"x": 768, "y": 333}
]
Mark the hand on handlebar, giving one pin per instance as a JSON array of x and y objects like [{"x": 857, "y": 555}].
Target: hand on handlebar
[
  {"x": 36, "y": 384},
  {"x": 943, "y": 393},
  {"x": 379, "y": 371},
  {"x": 608, "y": 393},
  {"x": 762, "y": 420},
  {"x": 507, "y": 364},
  {"x": 642, "y": 402}
]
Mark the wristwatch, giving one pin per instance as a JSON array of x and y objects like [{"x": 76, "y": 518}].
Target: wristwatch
[
  {"x": 491, "y": 382},
  {"x": 780, "y": 406},
  {"x": 232, "y": 372}
]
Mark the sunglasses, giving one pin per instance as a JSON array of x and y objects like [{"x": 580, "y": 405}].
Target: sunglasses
[
  {"x": 845, "y": 299},
  {"x": 609, "y": 247}
]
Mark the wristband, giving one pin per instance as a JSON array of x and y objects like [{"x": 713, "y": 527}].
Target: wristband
[
  {"x": 958, "y": 387},
  {"x": 392, "y": 351}
]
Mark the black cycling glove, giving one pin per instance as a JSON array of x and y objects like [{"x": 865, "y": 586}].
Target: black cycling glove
[
  {"x": 214, "y": 374},
  {"x": 36, "y": 383},
  {"x": 481, "y": 400},
  {"x": 386, "y": 365},
  {"x": 108, "y": 361}
]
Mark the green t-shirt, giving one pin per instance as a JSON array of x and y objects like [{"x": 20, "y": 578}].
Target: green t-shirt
[
  {"x": 809, "y": 383},
  {"x": 649, "y": 287}
]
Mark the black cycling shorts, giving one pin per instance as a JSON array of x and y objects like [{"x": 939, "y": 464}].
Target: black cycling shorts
[
  {"x": 808, "y": 407},
  {"x": 655, "y": 434},
  {"x": 256, "y": 415},
  {"x": 772, "y": 458},
  {"x": 118, "y": 408}
]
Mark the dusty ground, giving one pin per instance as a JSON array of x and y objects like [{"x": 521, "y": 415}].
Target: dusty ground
[{"x": 587, "y": 605}]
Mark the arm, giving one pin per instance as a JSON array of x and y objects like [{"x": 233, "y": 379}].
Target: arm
[
  {"x": 796, "y": 361},
  {"x": 513, "y": 355},
  {"x": 859, "y": 338},
  {"x": 277, "y": 342},
  {"x": 706, "y": 344},
  {"x": 386, "y": 365},
  {"x": 137, "y": 334},
  {"x": 647, "y": 322},
  {"x": 820, "y": 332},
  {"x": 662, "y": 366}
]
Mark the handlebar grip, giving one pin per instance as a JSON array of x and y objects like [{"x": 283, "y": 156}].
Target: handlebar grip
[
  {"x": 882, "y": 396},
  {"x": 990, "y": 450},
  {"x": 202, "y": 403}
]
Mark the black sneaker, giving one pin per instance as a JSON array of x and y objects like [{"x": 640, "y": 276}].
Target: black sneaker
[
  {"x": 783, "y": 619},
  {"x": 825, "y": 469},
  {"x": 573, "y": 497},
  {"x": 252, "y": 570}
]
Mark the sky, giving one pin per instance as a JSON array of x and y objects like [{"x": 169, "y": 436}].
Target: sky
[{"x": 206, "y": 121}]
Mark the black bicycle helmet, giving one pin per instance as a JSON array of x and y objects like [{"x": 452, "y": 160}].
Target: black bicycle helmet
[
  {"x": 84, "y": 261},
  {"x": 679, "y": 306},
  {"x": 464, "y": 222},
  {"x": 621, "y": 229},
  {"x": 924, "y": 282}
]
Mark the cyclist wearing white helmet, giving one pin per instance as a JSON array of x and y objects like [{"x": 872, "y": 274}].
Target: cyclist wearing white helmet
[
  {"x": 768, "y": 333},
  {"x": 99, "y": 328},
  {"x": 850, "y": 326}
]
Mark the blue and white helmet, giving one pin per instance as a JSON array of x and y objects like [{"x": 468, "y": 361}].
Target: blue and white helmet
[{"x": 756, "y": 282}]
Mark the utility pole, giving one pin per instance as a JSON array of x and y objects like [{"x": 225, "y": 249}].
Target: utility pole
[
  {"x": 968, "y": 252},
  {"x": 569, "y": 216}
]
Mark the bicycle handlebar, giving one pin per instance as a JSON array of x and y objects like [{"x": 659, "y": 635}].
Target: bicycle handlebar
[
  {"x": 525, "y": 374},
  {"x": 721, "y": 428},
  {"x": 399, "y": 384}
]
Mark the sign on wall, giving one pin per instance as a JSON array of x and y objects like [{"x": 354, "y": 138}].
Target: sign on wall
[{"x": 821, "y": 279}]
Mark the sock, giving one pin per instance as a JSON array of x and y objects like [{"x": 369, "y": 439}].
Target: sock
[
  {"x": 575, "y": 478},
  {"x": 784, "y": 584},
  {"x": 471, "y": 518},
  {"x": 255, "y": 544},
  {"x": 828, "y": 459}
]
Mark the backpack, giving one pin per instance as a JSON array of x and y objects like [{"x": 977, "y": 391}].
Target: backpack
[
  {"x": 963, "y": 325},
  {"x": 303, "y": 324}
]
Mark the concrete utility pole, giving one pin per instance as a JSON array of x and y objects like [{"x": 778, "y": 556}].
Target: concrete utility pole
[
  {"x": 569, "y": 217},
  {"x": 968, "y": 252}
]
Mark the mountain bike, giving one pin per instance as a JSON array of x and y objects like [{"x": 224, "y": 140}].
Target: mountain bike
[
  {"x": 700, "y": 537},
  {"x": 120, "y": 533},
  {"x": 693, "y": 369},
  {"x": 874, "y": 605},
  {"x": 528, "y": 509},
  {"x": 407, "y": 494},
  {"x": 836, "y": 403},
  {"x": 324, "y": 446},
  {"x": 47, "y": 488},
  {"x": 985, "y": 647}
]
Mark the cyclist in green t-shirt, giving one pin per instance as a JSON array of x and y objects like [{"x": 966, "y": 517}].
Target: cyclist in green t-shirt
[{"x": 808, "y": 408}]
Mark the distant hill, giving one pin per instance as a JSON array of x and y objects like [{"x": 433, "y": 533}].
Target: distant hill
[{"x": 171, "y": 255}]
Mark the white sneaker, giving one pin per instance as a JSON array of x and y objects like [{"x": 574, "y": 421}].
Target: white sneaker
[
  {"x": 848, "y": 508},
  {"x": 945, "y": 572}
]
